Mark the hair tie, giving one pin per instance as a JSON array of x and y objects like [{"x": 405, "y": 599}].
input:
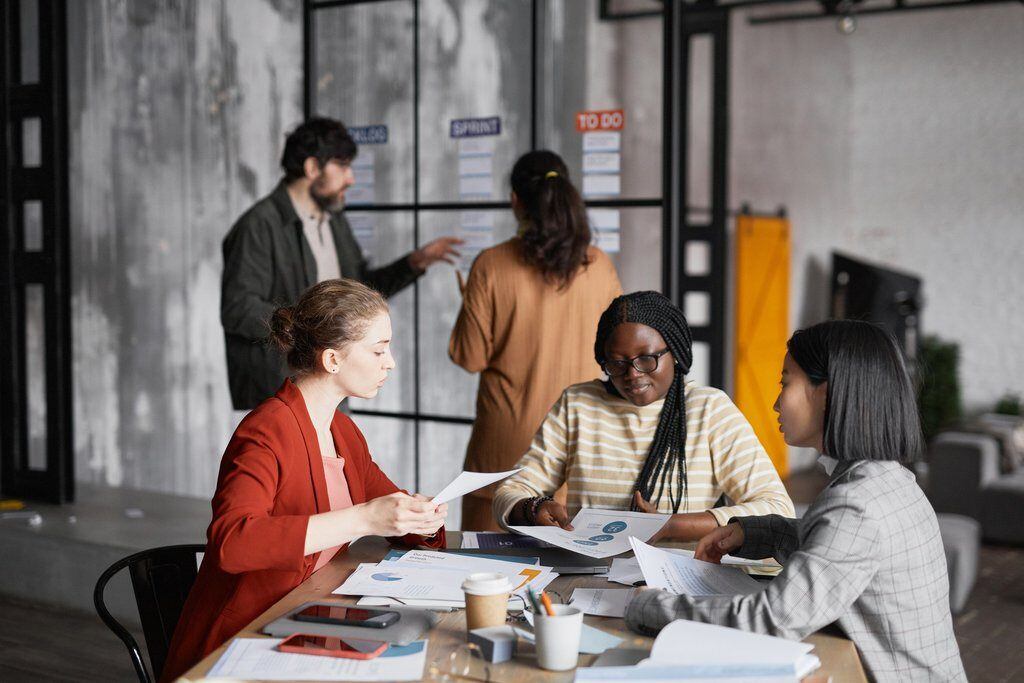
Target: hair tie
[{"x": 551, "y": 174}]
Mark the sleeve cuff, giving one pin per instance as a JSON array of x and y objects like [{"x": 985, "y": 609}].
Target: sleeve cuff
[{"x": 723, "y": 515}]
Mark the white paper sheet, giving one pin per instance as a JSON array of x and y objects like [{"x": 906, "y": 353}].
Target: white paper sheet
[
  {"x": 396, "y": 581},
  {"x": 467, "y": 482},
  {"x": 602, "y": 141},
  {"x": 684, "y": 575},
  {"x": 625, "y": 570},
  {"x": 515, "y": 603},
  {"x": 601, "y": 185},
  {"x": 476, "y": 165},
  {"x": 602, "y": 602},
  {"x": 475, "y": 186},
  {"x": 731, "y": 561},
  {"x": 521, "y": 575},
  {"x": 690, "y": 642},
  {"x": 599, "y": 533},
  {"x": 256, "y": 659},
  {"x": 601, "y": 162}
]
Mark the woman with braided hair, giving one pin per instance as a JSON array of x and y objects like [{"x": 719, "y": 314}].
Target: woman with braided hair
[
  {"x": 528, "y": 315},
  {"x": 646, "y": 438}
]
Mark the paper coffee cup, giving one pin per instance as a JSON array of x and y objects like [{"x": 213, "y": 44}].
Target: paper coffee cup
[
  {"x": 558, "y": 637},
  {"x": 487, "y": 596}
]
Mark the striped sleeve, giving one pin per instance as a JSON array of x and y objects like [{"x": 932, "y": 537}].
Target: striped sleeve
[
  {"x": 544, "y": 465},
  {"x": 741, "y": 466}
]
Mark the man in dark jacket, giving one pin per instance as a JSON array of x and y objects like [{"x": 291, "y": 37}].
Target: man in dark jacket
[{"x": 289, "y": 241}]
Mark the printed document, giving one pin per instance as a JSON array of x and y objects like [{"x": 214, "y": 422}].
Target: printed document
[
  {"x": 423, "y": 575},
  {"x": 684, "y": 575},
  {"x": 602, "y": 602},
  {"x": 256, "y": 659},
  {"x": 599, "y": 533},
  {"x": 468, "y": 482},
  {"x": 521, "y": 575}
]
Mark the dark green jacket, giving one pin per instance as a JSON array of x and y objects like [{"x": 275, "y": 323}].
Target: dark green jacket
[{"x": 268, "y": 263}]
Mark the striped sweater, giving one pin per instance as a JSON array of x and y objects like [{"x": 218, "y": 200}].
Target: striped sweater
[{"x": 597, "y": 443}]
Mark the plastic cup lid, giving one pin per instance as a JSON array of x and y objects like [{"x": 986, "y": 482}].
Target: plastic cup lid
[{"x": 486, "y": 583}]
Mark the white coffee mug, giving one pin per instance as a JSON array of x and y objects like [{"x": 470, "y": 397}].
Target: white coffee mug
[{"x": 558, "y": 637}]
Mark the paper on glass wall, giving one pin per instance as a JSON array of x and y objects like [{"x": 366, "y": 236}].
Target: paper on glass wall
[
  {"x": 601, "y": 185},
  {"x": 602, "y": 141},
  {"x": 602, "y": 162},
  {"x": 357, "y": 195},
  {"x": 476, "y": 230},
  {"x": 476, "y": 165},
  {"x": 364, "y": 229},
  {"x": 605, "y": 224}
]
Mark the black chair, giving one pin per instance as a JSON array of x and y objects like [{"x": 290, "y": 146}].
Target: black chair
[{"x": 161, "y": 579}]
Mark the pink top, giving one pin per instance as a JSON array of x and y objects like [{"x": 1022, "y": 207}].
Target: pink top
[{"x": 339, "y": 496}]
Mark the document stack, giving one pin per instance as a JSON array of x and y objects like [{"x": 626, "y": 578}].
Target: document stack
[{"x": 433, "y": 580}]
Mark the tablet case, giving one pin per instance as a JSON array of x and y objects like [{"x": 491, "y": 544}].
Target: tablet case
[{"x": 411, "y": 626}]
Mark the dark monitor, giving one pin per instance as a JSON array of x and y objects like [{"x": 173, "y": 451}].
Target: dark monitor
[{"x": 864, "y": 291}]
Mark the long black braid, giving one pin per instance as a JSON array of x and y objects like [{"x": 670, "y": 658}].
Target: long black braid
[{"x": 669, "y": 446}]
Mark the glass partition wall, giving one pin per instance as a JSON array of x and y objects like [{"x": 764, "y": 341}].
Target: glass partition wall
[{"x": 443, "y": 97}]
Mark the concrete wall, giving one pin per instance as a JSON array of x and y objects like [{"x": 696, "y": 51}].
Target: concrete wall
[
  {"x": 902, "y": 144},
  {"x": 177, "y": 115}
]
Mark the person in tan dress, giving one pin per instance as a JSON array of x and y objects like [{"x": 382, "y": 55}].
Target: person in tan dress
[{"x": 529, "y": 313}]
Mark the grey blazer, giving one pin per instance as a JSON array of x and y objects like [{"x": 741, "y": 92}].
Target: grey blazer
[{"x": 867, "y": 555}]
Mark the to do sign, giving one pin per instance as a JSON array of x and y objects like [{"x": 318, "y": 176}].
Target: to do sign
[{"x": 612, "y": 119}]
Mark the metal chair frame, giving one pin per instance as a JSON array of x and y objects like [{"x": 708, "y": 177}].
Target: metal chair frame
[{"x": 158, "y": 600}]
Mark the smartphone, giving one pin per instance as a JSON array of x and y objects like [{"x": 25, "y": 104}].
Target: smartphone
[
  {"x": 347, "y": 616},
  {"x": 332, "y": 646}
]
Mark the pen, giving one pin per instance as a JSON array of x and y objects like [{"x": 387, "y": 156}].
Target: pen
[
  {"x": 533, "y": 600},
  {"x": 547, "y": 604}
]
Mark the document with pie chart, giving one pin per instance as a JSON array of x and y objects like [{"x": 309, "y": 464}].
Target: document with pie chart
[
  {"x": 397, "y": 581},
  {"x": 599, "y": 533}
]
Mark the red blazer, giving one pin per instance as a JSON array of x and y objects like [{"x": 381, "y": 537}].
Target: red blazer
[{"x": 271, "y": 480}]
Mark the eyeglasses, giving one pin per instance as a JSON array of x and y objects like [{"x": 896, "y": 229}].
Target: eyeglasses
[{"x": 646, "y": 364}]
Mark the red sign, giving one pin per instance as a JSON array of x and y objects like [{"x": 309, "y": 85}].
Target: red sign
[{"x": 612, "y": 119}]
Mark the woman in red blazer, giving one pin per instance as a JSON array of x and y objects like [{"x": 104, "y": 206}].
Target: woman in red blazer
[{"x": 275, "y": 518}]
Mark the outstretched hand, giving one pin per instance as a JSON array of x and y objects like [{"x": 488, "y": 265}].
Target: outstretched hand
[
  {"x": 719, "y": 543},
  {"x": 441, "y": 249}
]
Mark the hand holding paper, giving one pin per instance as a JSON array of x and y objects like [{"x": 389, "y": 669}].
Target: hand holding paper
[
  {"x": 599, "y": 533},
  {"x": 683, "y": 575},
  {"x": 468, "y": 482}
]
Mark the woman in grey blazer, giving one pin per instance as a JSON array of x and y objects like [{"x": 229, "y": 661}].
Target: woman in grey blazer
[{"x": 867, "y": 555}]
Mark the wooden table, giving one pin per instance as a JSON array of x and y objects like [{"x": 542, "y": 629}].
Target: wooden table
[{"x": 838, "y": 656}]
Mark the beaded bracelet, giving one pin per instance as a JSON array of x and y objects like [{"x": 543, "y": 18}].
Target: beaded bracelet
[{"x": 534, "y": 506}]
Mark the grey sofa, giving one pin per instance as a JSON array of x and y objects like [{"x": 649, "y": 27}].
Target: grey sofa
[{"x": 965, "y": 477}]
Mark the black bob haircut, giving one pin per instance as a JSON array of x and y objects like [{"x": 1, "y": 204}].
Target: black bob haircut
[
  {"x": 667, "y": 454},
  {"x": 321, "y": 138},
  {"x": 870, "y": 405}
]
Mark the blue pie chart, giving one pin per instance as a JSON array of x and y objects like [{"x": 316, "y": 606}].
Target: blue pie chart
[
  {"x": 385, "y": 576},
  {"x": 602, "y": 537},
  {"x": 581, "y": 542},
  {"x": 614, "y": 527}
]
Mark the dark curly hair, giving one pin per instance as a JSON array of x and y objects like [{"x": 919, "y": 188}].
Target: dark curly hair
[
  {"x": 321, "y": 138},
  {"x": 557, "y": 234},
  {"x": 668, "y": 449}
]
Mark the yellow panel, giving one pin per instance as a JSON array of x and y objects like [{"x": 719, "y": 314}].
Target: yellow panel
[{"x": 762, "y": 325}]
